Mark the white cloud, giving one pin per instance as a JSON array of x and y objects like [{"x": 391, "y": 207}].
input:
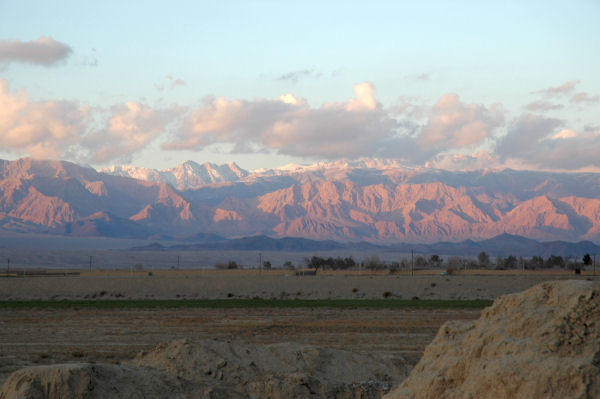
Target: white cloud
[
  {"x": 289, "y": 126},
  {"x": 465, "y": 162},
  {"x": 564, "y": 134},
  {"x": 55, "y": 129},
  {"x": 454, "y": 124},
  {"x": 129, "y": 128},
  {"x": 41, "y": 129},
  {"x": 42, "y": 51}
]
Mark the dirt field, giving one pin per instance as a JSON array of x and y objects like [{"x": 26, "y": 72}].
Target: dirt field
[
  {"x": 30, "y": 336},
  {"x": 36, "y": 336},
  {"x": 209, "y": 284}
]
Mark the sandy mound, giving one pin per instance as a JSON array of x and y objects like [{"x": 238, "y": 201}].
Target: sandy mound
[
  {"x": 212, "y": 369},
  {"x": 90, "y": 381},
  {"x": 542, "y": 343},
  {"x": 279, "y": 370}
]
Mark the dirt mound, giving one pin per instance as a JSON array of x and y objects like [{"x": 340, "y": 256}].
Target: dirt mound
[
  {"x": 278, "y": 370},
  {"x": 213, "y": 369},
  {"x": 543, "y": 342},
  {"x": 84, "y": 380}
]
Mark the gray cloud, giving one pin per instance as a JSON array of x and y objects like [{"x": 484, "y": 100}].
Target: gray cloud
[
  {"x": 296, "y": 75},
  {"x": 542, "y": 106},
  {"x": 42, "y": 51},
  {"x": 564, "y": 89},
  {"x": 584, "y": 98},
  {"x": 525, "y": 134},
  {"x": 537, "y": 141},
  {"x": 420, "y": 76},
  {"x": 171, "y": 83}
]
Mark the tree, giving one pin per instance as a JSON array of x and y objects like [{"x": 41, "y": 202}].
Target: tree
[
  {"x": 435, "y": 260},
  {"x": 587, "y": 259},
  {"x": 499, "y": 262},
  {"x": 510, "y": 262},
  {"x": 554, "y": 260},
  {"x": 288, "y": 265},
  {"x": 484, "y": 259},
  {"x": 267, "y": 265}
]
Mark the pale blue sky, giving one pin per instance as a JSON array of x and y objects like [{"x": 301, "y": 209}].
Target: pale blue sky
[{"x": 486, "y": 52}]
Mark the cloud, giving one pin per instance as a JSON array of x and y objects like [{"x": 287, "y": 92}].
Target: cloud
[
  {"x": 419, "y": 76},
  {"x": 465, "y": 162},
  {"x": 90, "y": 60},
  {"x": 359, "y": 126},
  {"x": 584, "y": 98},
  {"x": 564, "y": 89},
  {"x": 129, "y": 128},
  {"x": 58, "y": 129},
  {"x": 171, "y": 83},
  {"x": 289, "y": 126},
  {"x": 454, "y": 124},
  {"x": 564, "y": 134},
  {"x": 294, "y": 76},
  {"x": 525, "y": 134},
  {"x": 41, "y": 129},
  {"x": 42, "y": 51},
  {"x": 438, "y": 136},
  {"x": 535, "y": 141},
  {"x": 542, "y": 106}
]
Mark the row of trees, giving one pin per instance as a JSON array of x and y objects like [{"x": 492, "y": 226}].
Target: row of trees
[{"x": 482, "y": 260}]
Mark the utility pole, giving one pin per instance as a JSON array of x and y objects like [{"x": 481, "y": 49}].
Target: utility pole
[
  {"x": 412, "y": 262},
  {"x": 90, "y": 263},
  {"x": 177, "y": 262},
  {"x": 594, "y": 265},
  {"x": 259, "y": 263},
  {"x": 7, "y": 267}
]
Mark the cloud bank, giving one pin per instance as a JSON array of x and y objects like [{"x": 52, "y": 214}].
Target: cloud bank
[
  {"x": 450, "y": 133},
  {"x": 43, "y": 51}
]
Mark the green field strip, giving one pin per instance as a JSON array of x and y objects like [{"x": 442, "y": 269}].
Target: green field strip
[{"x": 247, "y": 303}]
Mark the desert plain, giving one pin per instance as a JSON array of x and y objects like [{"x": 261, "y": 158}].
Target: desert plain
[{"x": 37, "y": 335}]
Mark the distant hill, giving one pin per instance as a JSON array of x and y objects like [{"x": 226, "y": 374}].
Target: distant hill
[
  {"x": 264, "y": 243},
  {"x": 502, "y": 245},
  {"x": 103, "y": 224}
]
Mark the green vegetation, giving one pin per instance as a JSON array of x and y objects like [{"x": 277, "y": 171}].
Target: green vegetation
[{"x": 248, "y": 303}]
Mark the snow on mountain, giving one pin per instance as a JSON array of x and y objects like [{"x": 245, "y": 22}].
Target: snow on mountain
[{"x": 186, "y": 176}]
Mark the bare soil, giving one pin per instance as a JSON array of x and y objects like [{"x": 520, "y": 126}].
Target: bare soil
[{"x": 48, "y": 336}]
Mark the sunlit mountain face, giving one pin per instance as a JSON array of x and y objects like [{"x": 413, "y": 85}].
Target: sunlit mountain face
[{"x": 380, "y": 201}]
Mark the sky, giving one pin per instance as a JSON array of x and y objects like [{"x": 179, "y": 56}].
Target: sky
[{"x": 457, "y": 85}]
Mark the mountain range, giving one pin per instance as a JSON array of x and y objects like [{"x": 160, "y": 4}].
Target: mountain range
[
  {"x": 377, "y": 201},
  {"x": 501, "y": 245}
]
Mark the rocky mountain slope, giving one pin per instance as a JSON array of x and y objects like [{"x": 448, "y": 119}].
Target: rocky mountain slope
[{"x": 372, "y": 200}]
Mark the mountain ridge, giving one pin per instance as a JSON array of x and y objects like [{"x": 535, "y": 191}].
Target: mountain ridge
[
  {"x": 501, "y": 245},
  {"x": 377, "y": 202}
]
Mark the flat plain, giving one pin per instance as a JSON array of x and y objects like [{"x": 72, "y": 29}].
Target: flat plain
[{"x": 33, "y": 334}]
